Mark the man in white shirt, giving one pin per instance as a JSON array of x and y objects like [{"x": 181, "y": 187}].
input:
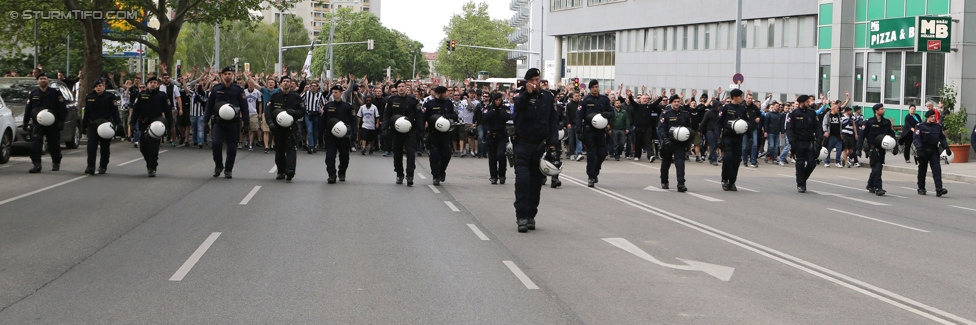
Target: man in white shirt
[
  {"x": 170, "y": 88},
  {"x": 369, "y": 123},
  {"x": 255, "y": 109}
]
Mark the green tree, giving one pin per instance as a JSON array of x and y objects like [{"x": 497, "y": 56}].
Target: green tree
[
  {"x": 474, "y": 27},
  {"x": 253, "y": 42},
  {"x": 391, "y": 48}
]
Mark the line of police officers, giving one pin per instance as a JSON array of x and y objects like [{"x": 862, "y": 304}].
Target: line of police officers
[{"x": 535, "y": 140}]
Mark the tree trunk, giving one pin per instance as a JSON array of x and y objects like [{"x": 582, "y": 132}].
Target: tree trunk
[
  {"x": 92, "y": 66},
  {"x": 166, "y": 39}
]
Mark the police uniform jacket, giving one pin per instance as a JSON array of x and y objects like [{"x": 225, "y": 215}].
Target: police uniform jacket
[
  {"x": 442, "y": 107},
  {"x": 495, "y": 118},
  {"x": 100, "y": 107},
  {"x": 337, "y": 110},
  {"x": 291, "y": 103},
  {"x": 872, "y": 129},
  {"x": 405, "y": 106},
  {"x": 50, "y": 99},
  {"x": 672, "y": 118},
  {"x": 728, "y": 113},
  {"x": 150, "y": 106},
  {"x": 802, "y": 126},
  {"x": 233, "y": 95},
  {"x": 929, "y": 138},
  {"x": 594, "y": 105},
  {"x": 535, "y": 118}
]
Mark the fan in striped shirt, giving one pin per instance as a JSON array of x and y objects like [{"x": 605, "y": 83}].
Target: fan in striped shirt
[
  {"x": 313, "y": 104},
  {"x": 198, "y": 101}
]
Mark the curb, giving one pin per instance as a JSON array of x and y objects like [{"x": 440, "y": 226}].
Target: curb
[{"x": 945, "y": 176}]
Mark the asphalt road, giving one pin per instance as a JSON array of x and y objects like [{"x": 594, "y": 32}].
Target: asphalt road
[{"x": 188, "y": 248}]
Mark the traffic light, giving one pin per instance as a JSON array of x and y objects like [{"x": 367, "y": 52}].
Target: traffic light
[
  {"x": 576, "y": 83},
  {"x": 369, "y": 45},
  {"x": 447, "y": 44},
  {"x": 453, "y": 45}
]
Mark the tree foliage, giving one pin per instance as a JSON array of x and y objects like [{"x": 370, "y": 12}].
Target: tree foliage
[
  {"x": 392, "y": 48},
  {"x": 474, "y": 27},
  {"x": 253, "y": 42}
]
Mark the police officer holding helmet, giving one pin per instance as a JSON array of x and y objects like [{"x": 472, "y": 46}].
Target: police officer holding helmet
[
  {"x": 731, "y": 141},
  {"x": 672, "y": 147},
  {"x": 336, "y": 111},
  {"x": 403, "y": 105},
  {"x": 99, "y": 109},
  {"x": 223, "y": 129},
  {"x": 286, "y": 138},
  {"x": 494, "y": 118},
  {"x": 929, "y": 142},
  {"x": 804, "y": 132},
  {"x": 149, "y": 106},
  {"x": 594, "y": 139},
  {"x": 874, "y": 131},
  {"x": 439, "y": 143},
  {"x": 39, "y": 99},
  {"x": 536, "y": 129}
]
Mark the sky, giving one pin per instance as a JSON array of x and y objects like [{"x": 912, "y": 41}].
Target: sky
[{"x": 425, "y": 20}]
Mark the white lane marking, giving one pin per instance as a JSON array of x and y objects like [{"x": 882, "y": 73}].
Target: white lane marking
[
  {"x": 706, "y": 198},
  {"x": 520, "y": 275},
  {"x": 273, "y": 169},
  {"x": 654, "y": 189},
  {"x": 432, "y": 188},
  {"x": 878, "y": 220},
  {"x": 451, "y": 205},
  {"x": 850, "y": 178},
  {"x": 250, "y": 195},
  {"x": 421, "y": 175},
  {"x": 194, "y": 258},
  {"x": 477, "y": 231},
  {"x": 723, "y": 273},
  {"x": 40, "y": 190},
  {"x": 908, "y": 188},
  {"x": 137, "y": 159},
  {"x": 737, "y": 186},
  {"x": 646, "y": 165},
  {"x": 964, "y": 208},
  {"x": 867, "y": 289},
  {"x": 850, "y": 198},
  {"x": 5, "y": 166},
  {"x": 844, "y": 186}
]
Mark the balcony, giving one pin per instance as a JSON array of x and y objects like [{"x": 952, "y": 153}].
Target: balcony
[
  {"x": 519, "y": 18},
  {"x": 516, "y": 4}
]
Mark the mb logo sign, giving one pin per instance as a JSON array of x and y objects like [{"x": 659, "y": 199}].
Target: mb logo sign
[{"x": 925, "y": 34}]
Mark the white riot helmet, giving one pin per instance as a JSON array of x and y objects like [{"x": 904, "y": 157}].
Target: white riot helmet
[
  {"x": 45, "y": 118},
  {"x": 106, "y": 130},
  {"x": 888, "y": 143},
  {"x": 283, "y": 119},
  {"x": 550, "y": 168},
  {"x": 441, "y": 124},
  {"x": 227, "y": 112},
  {"x": 156, "y": 130},
  {"x": 509, "y": 148},
  {"x": 599, "y": 122},
  {"x": 740, "y": 126},
  {"x": 340, "y": 129},
  {"x": 402, "y": 125},
  {"x": 680, "y": 133},
  {"x": 563, "y": 134},
  {"x": 824, "y": 154},
  {"x": 946, "y": 156}
]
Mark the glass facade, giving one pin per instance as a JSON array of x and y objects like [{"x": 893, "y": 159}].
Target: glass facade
[{"x": 592, "y": 50}]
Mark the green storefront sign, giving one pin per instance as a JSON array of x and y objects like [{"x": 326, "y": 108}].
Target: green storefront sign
[
  {"x": 924, "y": 34},
  {"x": 934, "y": 34}
]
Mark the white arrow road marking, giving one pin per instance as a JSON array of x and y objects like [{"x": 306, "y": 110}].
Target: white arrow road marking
[
  {"x": 646, "y": 165},
  {"x": 273, "y": 169},
  {"x": 706, "y": 198},
  {"x": 421, "y": 175},
  {"x": 737, "y": 186},
  {"x": 723, "y": 273},
  {"x": 878, "y": 220},
  {"x": 653, "y": 189},
  {"x": 850, "y": 198}
]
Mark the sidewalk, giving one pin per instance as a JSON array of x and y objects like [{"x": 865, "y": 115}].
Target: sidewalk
[{"x": 964, "y": 172}]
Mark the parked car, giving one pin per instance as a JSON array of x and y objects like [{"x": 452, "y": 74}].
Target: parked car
[
  {"x": 7, "y": 130},
  {"x": 15, "y": 92}
]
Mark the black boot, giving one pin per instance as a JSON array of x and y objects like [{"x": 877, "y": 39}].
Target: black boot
[
  {"x": 921, "y": 191},
  {"x": 101, "y": 170},
  {"x": 55, "y": 167},
  {"x": 342, "y": 177},
  {"x": 523, "y": 225},
  {"x": 289, "y": 175},
  {"x": 332, "y": 179},
  {"x": 280, "y": 176},
  {"x": 410, "y": 181},
  {"x": 682, "y": 188},
  {"x": 217, "y": 171},
  {"x": 501, "y": 180},
  {"x": 590, "y": 182},
  {"x": 940, "y": 192},
  {"x": 90, "y": 170},
  {"x": 151, "y": 173},
  {"x": 664, "y": 186},
  {"x": 36, "y": 169},
  {"x": 399, "y": 180},
  {"x": 531, "y": 224},
  {"x": 228, "y": 174},
  {"x": 493, "y": 181}
]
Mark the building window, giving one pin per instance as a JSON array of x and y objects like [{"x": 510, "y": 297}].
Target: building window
[
  {"x": 596, "y": 2},
  {"x": 674, "y": 38},
  {"x": 756, "y": 27},
  {"x": 743, "y": 32},
  {"x": 874, "y": 77},
  {"x": 934, "y": 74},
  {"x": 859, "y": 77},
  {"x": 771, "y": 33},
  {"x": 655, "y": 31},
  {"x": 664, "y": 44},
  {"x": 786, "y": 32},
  {"x": 684, "y": 41},
  {"x": 647, "y": 39},
  {"x": 564, "y": 4},
  {"x": 913, "y": 78},
  {"x": 641, "y": 40},
  {"x": 695, "y": 39},
  {"x": 823, "y": 78},
  {"x": 708, "y": 36},
  {"x": 892, "y": 92}
]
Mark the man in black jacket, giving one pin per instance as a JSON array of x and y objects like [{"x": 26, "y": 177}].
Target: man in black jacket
[
  {"x": 572, "y": 109},
  {"x": 99, "y": 108},
  {"x": 403, "y": 104},
  {"x": 773, "y": 127},
  {"x": 644, "y": 119},
  {"x": 51, "y": 99},
  {"x": 286, "y": 138},
  {"x": 150, "y": 105},
  {"x": 333, "y": 112},
  {"x": 908, "y": 130},
  {"x": 710, "y": 131},
  {"x": 595, "y": 140}
]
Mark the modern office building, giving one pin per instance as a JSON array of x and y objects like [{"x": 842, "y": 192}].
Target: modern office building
[
  {"x": 528, "y": 36},
  {"x": 870, "y": 48},
  {"x": 313, "y": 12}
]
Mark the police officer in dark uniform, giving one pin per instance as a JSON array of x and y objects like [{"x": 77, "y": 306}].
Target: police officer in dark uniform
[
  {"x": 286, "y": 139},
  {"x": 673, "y": 150},
  {"x": 336, "y": 111},
  {"x": 731, "y": 142},
  {"x": 929, "y": 142},
  {"x": 536, "y": 128},
  {"x": 403, "y": 104},
  {"x": 149, "y": 107},
  {"x": 228, "y": 131},
  {"x": 874, "y": 131},
  {"x": 99, "y": 108},
  {"x": 494, "y": 118},
  {"x": 39, "y": 99},
  {"x": 439, "y": 143},
  {"x": 594, "y": 140},
  {"x": 804, "y": 132},
  {"x": 563, "y": 124}
]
